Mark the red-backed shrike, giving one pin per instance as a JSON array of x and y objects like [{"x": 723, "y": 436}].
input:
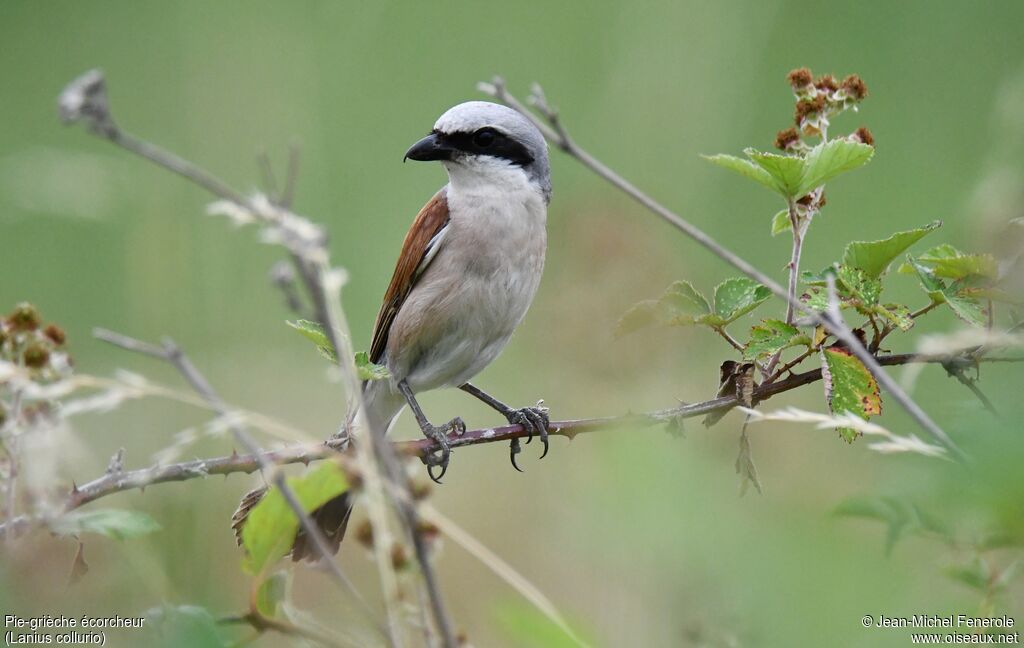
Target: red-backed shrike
[{"x": 468, "y": 270}]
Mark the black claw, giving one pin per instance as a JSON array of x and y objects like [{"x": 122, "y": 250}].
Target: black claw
[
  {"x": 544, "y": 440},
  {"x": 430, "y": 471},
  {"x": 514, "y": 449}
]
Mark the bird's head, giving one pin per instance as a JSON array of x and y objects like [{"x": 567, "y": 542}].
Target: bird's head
[{"x": 479, "y": 141}]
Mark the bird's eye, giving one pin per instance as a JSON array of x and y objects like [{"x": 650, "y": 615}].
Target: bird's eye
[{"x": 484, "y": 137}]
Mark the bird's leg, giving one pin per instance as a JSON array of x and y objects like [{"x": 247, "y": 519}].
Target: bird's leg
[
  {"x": 439, "y": 435},
  {"x": 533, "y": 420}
]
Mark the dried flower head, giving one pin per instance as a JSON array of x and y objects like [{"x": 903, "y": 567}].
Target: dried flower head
[
  {"x": 24, "y": 317},
  {"x": 784, "y": 139},
  {"x": 364, "y": 534},
  {"x": 864, "y": 136},
  {"x": 807, "y": 107},
  {"x": 826, "y": 83},
  {"x": 855, "y": 87},
  {"x": 36, "y": 356},
  {"x": 800, "y": 78},
  {"x": 399, "y": 556},
  {"x": 56, "y": 334}
]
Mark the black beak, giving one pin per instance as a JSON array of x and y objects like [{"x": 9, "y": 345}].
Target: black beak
[{"x": 431, "y": 147}]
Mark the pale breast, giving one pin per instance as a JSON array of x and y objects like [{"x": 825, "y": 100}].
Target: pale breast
[{"x": 474, "y": 293}]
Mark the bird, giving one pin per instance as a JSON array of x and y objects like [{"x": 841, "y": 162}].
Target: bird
[
  {"x": 467, "y": 273},
  {"x": 468, "y": 270}
]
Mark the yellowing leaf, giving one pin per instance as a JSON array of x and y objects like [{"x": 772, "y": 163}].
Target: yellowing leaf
[
  {"x": 849, "y": 387},
  {"x": 770, "y": 337}
]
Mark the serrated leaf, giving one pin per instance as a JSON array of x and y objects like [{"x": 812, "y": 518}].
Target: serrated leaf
[
  {"x": 896, "y": 314},
  {"x": 680, "y": 305},
  {"x": 271, "y": 593},
  {"x": 968, "y": 309},
  {"x": 854, "y": 283},
  {"x": 771, "y": 336},
  {"x": 737, "y": 296},
  {"x": 781, "y": 223},
  {"x": 119, "y": 524},
  {"x": 950, "y": 263},
  {"x": 315, "y": 334},
  {"x": 829, "y": 159},
  {"x": 681, "y": 298},
  {"x": 964, "y": 306},
  {"x": 787, "y": 171},
  {"x": 849, "y": 387},
  {"x": 367, "y": 370},
  {"x": 874, "y": 257},
  {"x": 271, "y": 525},
  {"x": 640, "y": 315},
  {"x": 743, "y": 167},
  {"x": 185, "y": 625}
]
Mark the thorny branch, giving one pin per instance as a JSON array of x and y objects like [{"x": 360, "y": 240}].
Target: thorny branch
[
  {"x": 116, "y": 482},
  {"x": 552, "y": 128}
]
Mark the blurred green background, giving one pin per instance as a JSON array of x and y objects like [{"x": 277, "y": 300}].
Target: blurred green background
[{"x": 640, "y": 538}]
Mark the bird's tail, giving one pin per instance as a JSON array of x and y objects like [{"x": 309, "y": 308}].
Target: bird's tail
[{"x": 382, "y": 407}]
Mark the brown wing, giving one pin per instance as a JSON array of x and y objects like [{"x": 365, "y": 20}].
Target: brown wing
[{"x": 431, "y": 219}]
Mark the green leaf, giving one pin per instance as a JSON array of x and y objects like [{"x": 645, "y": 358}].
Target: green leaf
[
  {"x": 271, "y": 593},
  {"x": 770, "y": 337},
  {"x": 119, "y": 524},
  {"x": 640, "y": 315},
  {"x": 743, "y": 167},
  {"x": 900, "y": 517},
  {"x": 963, "y": 304},
  {"x": 975, "y": 575},
  {"x": 786, "y": 170},
  {"x": 874, "y": 257},
  {"x": 896, "y": 314},
  {"x": 736, "y": 297},
  {"x": 781, "y": 222},
  {"x": 368, "y": 370},
  {"x": 271, "y": 526},
  {"x": 854, "y": 283},
  {"x": 315, "y": 333},
  {"x": 185, "y": 625},
  {"x": 829, "y": 159},
  {"x": 680, "y": 305},
  {"x": 849, "y": 387},
  {"x": 528, "y": 627},
  {"x": 683, "y": 304}
]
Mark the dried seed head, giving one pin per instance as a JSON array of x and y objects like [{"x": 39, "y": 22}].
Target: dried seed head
[
  {"x": 786, "y": 138},
  {"x": 24, "y": 317},
  {"x": 799, "y": 78},
  {"x": 428, "y": 530},
  {"x": 36, "y": 356},
  {"x": 399, "y": 556},
  {"x": 364, "y": 534},
  {"x": 855, "y": 87},
  {"x": 864, "y": 136},
  {"x": 419, "y": 490},
  {"x": 808, "y": 107},
  {"x": 826, "y": 83},
  {"x": 56, "y": 334}
]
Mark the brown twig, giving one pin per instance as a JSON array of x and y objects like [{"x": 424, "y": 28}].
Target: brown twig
[{"x": 113, "y": 483}]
